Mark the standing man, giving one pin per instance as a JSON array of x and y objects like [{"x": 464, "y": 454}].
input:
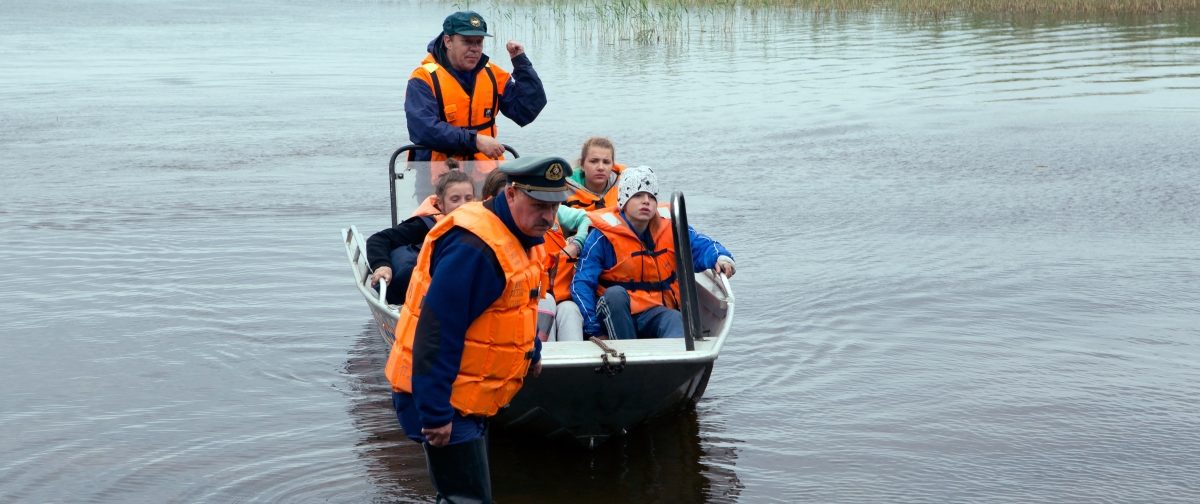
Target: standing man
[
  {"x": 629, "y": 259},
  {"x": 453, "y": 97},
  {"x": 467, "y": 335}
]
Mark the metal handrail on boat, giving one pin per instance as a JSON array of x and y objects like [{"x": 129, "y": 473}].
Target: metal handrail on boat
[
  {"x": 356, "y": 254},
  {"x": 689, "y": 303},
  {"x": 393, "y": 176},
  {"x": 725, "y": 289}
]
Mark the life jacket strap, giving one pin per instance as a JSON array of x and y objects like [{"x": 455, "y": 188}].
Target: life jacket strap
[
  {"x": 437, "y": 94},
  {"x": 651, "y": 253},
  {"x": 495, "y": 101},
  {"x": 661, "y": 285}
]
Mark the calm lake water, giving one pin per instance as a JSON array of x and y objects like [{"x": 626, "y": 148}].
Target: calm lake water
[{"x": 969, "y": 253}]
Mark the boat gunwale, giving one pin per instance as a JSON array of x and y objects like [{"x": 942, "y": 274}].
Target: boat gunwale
[{"x": 706, "y": 349}]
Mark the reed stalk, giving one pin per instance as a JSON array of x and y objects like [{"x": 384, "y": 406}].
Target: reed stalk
[{"x": 672, "y": 21}]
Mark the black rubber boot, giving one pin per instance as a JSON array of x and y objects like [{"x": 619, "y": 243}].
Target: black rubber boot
[{"x": 460, "y": 472}]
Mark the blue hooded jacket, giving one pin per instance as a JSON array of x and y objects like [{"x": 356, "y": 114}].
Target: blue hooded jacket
[{"x": 598, "y": 255}]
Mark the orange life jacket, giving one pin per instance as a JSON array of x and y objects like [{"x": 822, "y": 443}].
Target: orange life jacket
[
  {"x": 476, "y": 111},
  {"x": 589, "y": 201},
  {"x": 560, "y": 267},
  {"x": 648, "y": 275},
  {"x": 499, "y": 343}
]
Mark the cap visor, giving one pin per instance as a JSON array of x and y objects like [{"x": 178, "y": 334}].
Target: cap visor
[
  {"x": 474, "y": 33},
  {"x": 548, "y": 196}
]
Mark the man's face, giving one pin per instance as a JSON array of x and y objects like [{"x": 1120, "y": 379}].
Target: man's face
[
  {"x": 640, "y": 208},
  {"x": 463, "y": 51},
  {"x": 532, "y": 216}
]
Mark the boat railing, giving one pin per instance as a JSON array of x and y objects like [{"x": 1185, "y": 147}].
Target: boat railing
[
  {"x": 393, "y": 176},
  {"x": 724, "y": 285},
  {"x": 689, "y": 303},
  {"x": 356, "y": 253}
]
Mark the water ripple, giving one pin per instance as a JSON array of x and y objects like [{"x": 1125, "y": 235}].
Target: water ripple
[{"x": 967, "y": 255}]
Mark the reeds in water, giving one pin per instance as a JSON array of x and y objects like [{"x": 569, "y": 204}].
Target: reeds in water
[
  {"x": 1049, "y": 7},
  {"x": 668, "y": 21},
  {"x": 643, "y": 8}
]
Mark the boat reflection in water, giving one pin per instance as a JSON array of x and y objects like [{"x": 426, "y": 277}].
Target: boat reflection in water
[{"x": 663, "y": 460}]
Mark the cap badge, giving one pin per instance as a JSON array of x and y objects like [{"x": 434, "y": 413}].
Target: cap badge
[
  {"x": 475, "y": 22},
  {"x": 555, "y": 172}
]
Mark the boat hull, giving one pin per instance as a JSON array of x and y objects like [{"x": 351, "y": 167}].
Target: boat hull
[{"x": 586, "y": 405}]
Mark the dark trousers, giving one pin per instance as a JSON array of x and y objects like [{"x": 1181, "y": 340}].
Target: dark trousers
[
  {"x": 459, "y": 470},
  {"x": 621, "y": 323}
]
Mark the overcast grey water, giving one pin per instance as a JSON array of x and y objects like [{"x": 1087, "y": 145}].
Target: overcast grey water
[{"x": 968, "y": 253}]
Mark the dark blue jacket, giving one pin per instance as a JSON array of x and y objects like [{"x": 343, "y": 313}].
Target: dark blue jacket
[
  {"x": 598, "y": 255},
  {"x": 457, "y": 295},
  {"x": 523, "y": 99},
  {"x": 398, "y": 248}
]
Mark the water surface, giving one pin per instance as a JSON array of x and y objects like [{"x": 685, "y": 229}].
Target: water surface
[{"x": 968, "y": 253}]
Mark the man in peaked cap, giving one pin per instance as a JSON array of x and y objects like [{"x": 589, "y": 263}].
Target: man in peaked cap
[
  {"x": 465, "y": 338},
  {"x": 454, "y": 95}
]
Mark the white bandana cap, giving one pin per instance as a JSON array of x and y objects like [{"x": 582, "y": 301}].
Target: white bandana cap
[{"x": 635, "y": 180}]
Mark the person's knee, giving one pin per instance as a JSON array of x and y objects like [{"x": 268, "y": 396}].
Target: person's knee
[
  {"x": 671, "y": 324},
  {"x": 568, "y": 322},
  {"x": 568, "y": 310},
  {"x": 614, "y": 310},
  {"x": 616, "y": 296}
]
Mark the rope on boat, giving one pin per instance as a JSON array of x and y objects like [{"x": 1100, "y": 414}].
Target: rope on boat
[{"x": 608, "y": 367}]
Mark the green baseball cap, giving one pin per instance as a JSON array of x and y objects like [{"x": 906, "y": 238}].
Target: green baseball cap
[{"x": 467, "y": 23}]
